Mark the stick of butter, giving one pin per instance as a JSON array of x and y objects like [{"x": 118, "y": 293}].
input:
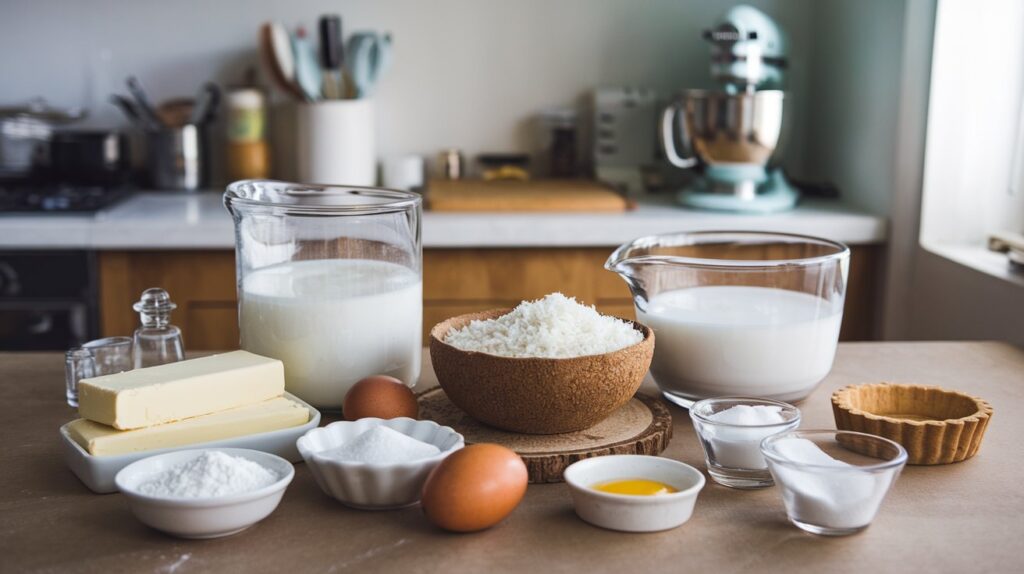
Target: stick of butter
[
  {"x": 175, "y": 391},
  {"x": 266, "y": 416}
]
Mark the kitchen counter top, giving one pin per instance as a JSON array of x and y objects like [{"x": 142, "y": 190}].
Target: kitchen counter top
[
  {"x": 962, "y": 517},
  {"x": 199, "y": 221}
]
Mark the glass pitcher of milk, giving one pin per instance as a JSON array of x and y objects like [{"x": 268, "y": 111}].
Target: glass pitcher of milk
[
  {"x": 329, "y": 282},
  {"x": 737, "y": 313}
]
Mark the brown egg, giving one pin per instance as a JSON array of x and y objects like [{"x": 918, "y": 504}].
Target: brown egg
[
  {"x": 380, "y": 396},
  {"x": 474, "y": 488}
]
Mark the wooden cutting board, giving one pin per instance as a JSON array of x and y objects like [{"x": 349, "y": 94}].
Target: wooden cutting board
[
  {"x": 641, "y": 426},
  {"x": 469, "y": 195}
]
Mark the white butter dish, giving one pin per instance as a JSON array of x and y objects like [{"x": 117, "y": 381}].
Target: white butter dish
[{"x": 98, "y": 472}]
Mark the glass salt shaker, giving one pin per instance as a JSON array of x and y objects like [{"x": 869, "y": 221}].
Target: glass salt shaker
[{"x": 156, "y": 341}]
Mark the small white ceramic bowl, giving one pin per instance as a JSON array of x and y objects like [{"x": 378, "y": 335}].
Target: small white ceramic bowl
[
  {"x": 629, "y": 513},
  {"x": 375, "y": 486},
  {"x": 202, "y": 517}
]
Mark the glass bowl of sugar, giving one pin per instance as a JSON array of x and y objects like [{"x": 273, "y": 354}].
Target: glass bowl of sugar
[
  {"x": 730, "y": 430},
  {"x": 833, "y": 482}
]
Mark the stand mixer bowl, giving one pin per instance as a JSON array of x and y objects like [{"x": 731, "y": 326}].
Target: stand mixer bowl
[{"x": 724, "y": 129}]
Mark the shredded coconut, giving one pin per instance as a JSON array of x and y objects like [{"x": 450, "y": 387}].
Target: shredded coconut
[
  {"x": 555, "y": 327},
  {"x": 210, "y": 474},
  {"x": 382, "y": 444}
]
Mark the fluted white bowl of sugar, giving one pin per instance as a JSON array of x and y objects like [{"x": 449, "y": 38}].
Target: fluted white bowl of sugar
[{"x": 376, "y": 464}]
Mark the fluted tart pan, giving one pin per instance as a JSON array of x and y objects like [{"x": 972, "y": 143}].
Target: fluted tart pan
[{"x": 935, "y": 425}]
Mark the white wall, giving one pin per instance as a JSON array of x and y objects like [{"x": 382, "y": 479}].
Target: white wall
[{"x": 467, "y": 73}]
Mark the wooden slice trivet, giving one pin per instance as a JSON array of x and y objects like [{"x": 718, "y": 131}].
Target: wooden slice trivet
[{"x": 641, "y": 426}]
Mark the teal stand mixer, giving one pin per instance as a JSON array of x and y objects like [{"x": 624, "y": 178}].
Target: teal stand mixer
[{"x": 733, "y": 135}]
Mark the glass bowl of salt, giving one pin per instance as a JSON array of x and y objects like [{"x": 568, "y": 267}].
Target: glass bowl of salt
[
  {"x": 730, "y": 430},
  {"x": 833, "y": 482}
]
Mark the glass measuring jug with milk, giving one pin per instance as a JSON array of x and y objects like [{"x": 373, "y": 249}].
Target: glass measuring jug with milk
[
  {"x": 737, "y": 313},
  {"x": 329, "y": 282}
]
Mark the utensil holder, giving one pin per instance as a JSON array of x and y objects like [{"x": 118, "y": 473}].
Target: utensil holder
[
  {"x": 179, "y": 158},
  {"x": 336, "y": 142}
]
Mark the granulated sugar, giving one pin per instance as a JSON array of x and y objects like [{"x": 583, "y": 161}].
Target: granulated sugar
[
  {"x": 212, "y": 473},
  {"x": 738, "y": 447},
  {"x": 382, "y": 444},
  {"x": 553, "y": 327},
  {"x": 837, "y": 496}
]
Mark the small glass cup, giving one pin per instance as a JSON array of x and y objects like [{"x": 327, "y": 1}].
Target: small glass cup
[
  {"x": 732, "y": 451},
  {"x": 833, "y": 482},
  {"x": 106, "y": 356}
]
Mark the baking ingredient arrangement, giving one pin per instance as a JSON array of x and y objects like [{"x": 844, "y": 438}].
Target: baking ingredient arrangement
[{"x": 330, "y": 312}]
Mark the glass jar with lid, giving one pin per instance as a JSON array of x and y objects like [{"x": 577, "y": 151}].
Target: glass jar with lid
[{"x": 329, "y": 282}]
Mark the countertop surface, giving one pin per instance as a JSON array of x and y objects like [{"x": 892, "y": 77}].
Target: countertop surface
[
  {"x": 962, "y": 517},
  {"x": 199, "y": 221}
]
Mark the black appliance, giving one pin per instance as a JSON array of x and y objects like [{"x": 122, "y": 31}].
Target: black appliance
[{"x": 48, "y": 300}]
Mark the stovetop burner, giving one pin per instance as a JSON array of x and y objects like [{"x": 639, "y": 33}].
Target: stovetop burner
[{"x": 59, "y": 197}]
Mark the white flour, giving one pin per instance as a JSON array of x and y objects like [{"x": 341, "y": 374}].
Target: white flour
[
  {"x": 383, "y": 445},
  {"x": 213, "y": 473},
  {"x": 737, "y": 447}
]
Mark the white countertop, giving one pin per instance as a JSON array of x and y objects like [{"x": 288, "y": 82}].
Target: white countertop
[{"x": 199, "y": 221}]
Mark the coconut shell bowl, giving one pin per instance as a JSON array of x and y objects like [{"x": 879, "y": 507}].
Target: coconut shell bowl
[{"x": 537, "y": 395}]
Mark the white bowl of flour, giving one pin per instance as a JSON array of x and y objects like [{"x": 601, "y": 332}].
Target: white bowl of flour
[{"x": 205, "y": 493}]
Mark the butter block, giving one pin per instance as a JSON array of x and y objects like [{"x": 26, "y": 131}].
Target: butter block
[
  {"x": 175, "y": 391},
  {"x": 278, "y": 413}
]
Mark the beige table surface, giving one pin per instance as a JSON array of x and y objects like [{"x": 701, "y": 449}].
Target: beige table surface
[{"x": 966, "y": 517}]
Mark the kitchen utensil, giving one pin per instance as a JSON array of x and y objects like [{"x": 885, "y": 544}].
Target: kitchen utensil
[
  {"x": 737, "y": 313},
  {"x": 96, "y": 358},
  {"x": 329, "y": 282},
  {"x": 936, "y": 426},
  {"x": 641, "y": 426},
  {"x": 247, "y": 149},
  {"x": 206, "y": 104},
  {"x": 179, "y": 158},
  {"x": 631, "y": 513},
  {"x": 210, "y": 517},
  {"x": 405, "y": 172},
  {"x": 371, "y": 485},
  {"x": 625, "y": 122},
  {"x": 307, "y": 70},
  {"x": 156, "y": 341},
  {"x": 98, "y": 472},
  {"x": 143, "y": 104},
  {"x": 832, "y": 482},
  {"x": 276, "y": 50},
  {"x": 176, "y": 112},
  {"x": 732, "y": 451},
  {"x": 473, "y": 195},
  {"x": 335, "y": 142},
  {"x": 368, "y": 57},
  {"x": 130, "y": 110},
  {"x": 537, "y": 395},
  {"x": 90, "y": 157},
  {"x": 25, "y": 132},
  {"x": 332, "y": 57},
  {"x": 561, "y": 142},
  {"x": 78, "y": 364},
  {"x": 500, "y": 166},
  {"x": 735, "y": 133},
  {"x": 453, "y": 165}
]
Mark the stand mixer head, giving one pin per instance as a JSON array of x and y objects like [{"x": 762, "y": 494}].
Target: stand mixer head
[{"x": 734, "y": 133}]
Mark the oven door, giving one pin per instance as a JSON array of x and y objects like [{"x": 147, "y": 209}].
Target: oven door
[{"x": 43, "y": 325}]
